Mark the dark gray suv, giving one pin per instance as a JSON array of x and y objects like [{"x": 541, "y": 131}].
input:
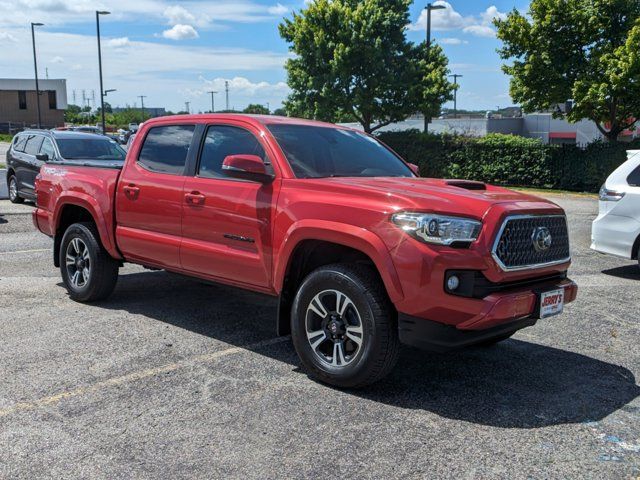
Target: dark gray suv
[{"x": 31, "y": 149}]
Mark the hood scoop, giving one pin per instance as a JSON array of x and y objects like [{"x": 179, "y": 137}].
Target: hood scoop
[{"x": 466, "y": 184}]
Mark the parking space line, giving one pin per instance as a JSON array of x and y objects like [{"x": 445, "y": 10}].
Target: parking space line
[
  {"x": 135, "y": 376},
  {"x": 27, "y": 251}
]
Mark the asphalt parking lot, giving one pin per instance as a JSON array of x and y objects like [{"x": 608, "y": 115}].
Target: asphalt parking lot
[{"x": 171, "y": 378}]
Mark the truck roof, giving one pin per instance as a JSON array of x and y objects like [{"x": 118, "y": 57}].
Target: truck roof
[{"x": 258, "y": 120}]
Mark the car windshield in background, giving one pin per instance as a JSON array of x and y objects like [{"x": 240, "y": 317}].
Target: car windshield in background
[
  {"x": 315, "y": 152},
  {"x": 90, "y": 149}
]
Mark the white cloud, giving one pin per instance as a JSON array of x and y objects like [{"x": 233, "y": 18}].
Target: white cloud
[
  {"x": 451, "y": 41},
  {"x": 177, "y": 14},
  {"x": 244, "y": 86},
  {"x": 278, "y": 9},
  {"x": 191, "y": 12},
  {"x": 119, "y": 42},
  {"x": 180, "y": 32},
  {"x": 57, "y": 59},
  {"x": 492, "y": 13},
  {"x": 448, "y": 19},
  {"x": 7, "y": 37},
  {"x": 480, "y": 31}
]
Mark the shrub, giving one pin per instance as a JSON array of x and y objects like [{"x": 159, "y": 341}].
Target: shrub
[{"x": 509, "y": 159}]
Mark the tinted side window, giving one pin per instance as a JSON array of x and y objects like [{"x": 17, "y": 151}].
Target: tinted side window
[
  {"x": 165, "y": 148},
  {"x": 222, "y": 141},
  {"x": 33, "y": 144},
  {"x": 47, "y": 147},
  {"x": 19, "y": 143},
  {"x": 634, "y": 177}
]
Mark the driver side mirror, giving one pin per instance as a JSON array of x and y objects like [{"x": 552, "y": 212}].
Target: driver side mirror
[
  {"x": 414, "y": 168},
  {"x": 246, "y": 167},
  {"x": 44, "y": 157}
]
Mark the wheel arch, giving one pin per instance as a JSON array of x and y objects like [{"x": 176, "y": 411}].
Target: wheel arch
[
  {"x": 77, "y": 209},
  {"x": 307, "y": 247},
  {"x": 635, "y": 249}
]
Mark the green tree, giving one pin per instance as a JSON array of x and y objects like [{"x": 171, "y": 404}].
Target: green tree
[
  {"x": 583, "y": 50},
  {"x": 256, "y": 108},
  {"x": 71, "y": 113},
  {"x": 353, "y": 61},
  {"x": 431, "y": 89},
  {"x": 281, "y": 112}
]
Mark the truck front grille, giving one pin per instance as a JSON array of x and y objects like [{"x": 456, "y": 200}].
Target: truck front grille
[{"x": 521, "y": 244}]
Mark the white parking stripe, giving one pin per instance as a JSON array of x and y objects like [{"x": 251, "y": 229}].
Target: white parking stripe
[
  {"x": 135, "y": 376},
  {"x": 27, "y": 251}
]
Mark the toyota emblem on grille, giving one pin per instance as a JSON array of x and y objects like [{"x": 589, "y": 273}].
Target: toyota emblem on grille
[{"x": 541, "y": 239}]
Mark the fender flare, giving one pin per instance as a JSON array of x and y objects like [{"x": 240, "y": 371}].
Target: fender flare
[
  {"x": 351, "y": 236},
  {"x": 90, "y": 204}
]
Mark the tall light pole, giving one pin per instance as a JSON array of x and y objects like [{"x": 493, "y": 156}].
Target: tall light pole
[
  {"x": 429, "y": 8},
  {"x": 455, "y": 76},
  {"x": 186, "y": 106},
  {"x": 213, "y": 104},
  {"x": 35, "y": 67},
  {"x": 226, "y": 89},
  {"x": 98, "y": 13},
  {"x": 142, "y": 97}
]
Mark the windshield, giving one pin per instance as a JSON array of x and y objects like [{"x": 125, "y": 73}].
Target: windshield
[
  {"x": 315, "y": 152},
  {"x": 90, "y": 149}
]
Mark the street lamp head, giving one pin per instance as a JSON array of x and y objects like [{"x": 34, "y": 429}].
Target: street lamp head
[
  {"x": 103, "y": 12},
  {"x": 434, "y": 7},
  {"x": 37, "y": 24}
]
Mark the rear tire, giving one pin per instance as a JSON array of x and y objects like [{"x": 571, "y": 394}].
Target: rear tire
[
  {"x": 88, "y": 271},
  {"x": 14, "y": 196},
  {"x": 344, "y": 327}
]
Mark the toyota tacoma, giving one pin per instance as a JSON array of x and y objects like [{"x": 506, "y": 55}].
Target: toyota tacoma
[{"x": 362, "y": 253}]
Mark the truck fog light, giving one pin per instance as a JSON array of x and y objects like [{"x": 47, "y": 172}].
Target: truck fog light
[{"x": 453, "y": 282}]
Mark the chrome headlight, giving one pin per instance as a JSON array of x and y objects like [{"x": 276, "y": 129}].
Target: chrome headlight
[{"x": 438, "y": 229}]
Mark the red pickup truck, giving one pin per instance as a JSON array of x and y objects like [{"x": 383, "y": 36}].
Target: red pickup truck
[{"x": 362, "y": 253}]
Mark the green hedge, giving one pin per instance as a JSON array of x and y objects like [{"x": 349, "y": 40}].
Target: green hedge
[{"x": 510, "y": 160}]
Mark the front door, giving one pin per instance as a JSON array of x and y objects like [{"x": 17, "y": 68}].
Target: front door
[
  {"x": 149, "y": 197},
  {"x": 226, "y": 223}
]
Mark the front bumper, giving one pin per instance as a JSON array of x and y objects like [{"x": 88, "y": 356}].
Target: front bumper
[{"x": 502, "y": 313}]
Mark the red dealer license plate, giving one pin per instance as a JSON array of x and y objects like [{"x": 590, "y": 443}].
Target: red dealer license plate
[{"x": 551, "y": 303}]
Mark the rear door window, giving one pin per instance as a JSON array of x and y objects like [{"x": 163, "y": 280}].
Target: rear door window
[
  {"x": 165, "y": 149},
  {"x": 33, "y": 144}
]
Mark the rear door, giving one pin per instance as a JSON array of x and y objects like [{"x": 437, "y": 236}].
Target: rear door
[
  {"x": 226, "y": 224},
  {"x": 29, "y": 166},
  {"x": 149, "y": 196}
]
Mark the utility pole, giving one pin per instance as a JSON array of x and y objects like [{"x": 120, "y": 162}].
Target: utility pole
[
  {"x": 226, "y": 89},
  {"x": 429, "y": 8},
  {"x": 186, "y": 106},
  {"x": 35, "y": 67},
  {"x": 98, "y": 13},
  {"x": 142, "y": 97},
  {"x": 455, "y": 76},
  {"x": 213, "y": 104}
]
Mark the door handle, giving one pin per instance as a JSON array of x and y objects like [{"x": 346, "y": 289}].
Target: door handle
[
  {"x": 131, "y": 191},
  {"x": 194, "y": 198}
]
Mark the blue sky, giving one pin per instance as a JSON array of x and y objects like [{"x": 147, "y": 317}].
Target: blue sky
[{"x": 177, "y": 51}]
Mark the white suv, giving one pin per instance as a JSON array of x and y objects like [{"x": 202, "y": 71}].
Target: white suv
[{"x": 616, "y": 230}]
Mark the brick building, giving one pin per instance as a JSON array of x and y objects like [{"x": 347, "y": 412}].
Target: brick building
[{"x": 18, "y": 107}]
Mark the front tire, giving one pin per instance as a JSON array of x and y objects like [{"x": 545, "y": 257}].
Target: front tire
[
  {"x": 14, "y": 196},
  {"x": 88, "y": 271},
  {"x": 344, "y": 327}
]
